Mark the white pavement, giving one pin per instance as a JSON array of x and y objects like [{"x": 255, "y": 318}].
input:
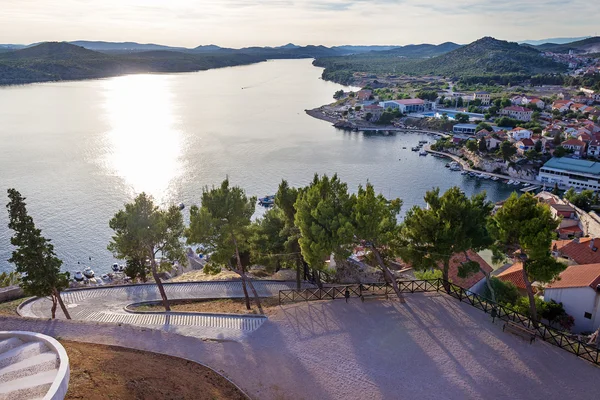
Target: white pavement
[
  {"x": 108, "y": 305},
  {"x": 431, "y": 347}
]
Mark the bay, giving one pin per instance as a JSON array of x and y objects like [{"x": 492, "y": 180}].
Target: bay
[{"x": 79, "y": 150}]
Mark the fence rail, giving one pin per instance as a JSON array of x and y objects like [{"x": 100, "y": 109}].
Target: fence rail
[{"x": 545, "y": 332}]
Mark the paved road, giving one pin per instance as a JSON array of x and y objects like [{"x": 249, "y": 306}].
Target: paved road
[
  {"x": 107, "y": 305},
  {"x": 431, "y": 347}
]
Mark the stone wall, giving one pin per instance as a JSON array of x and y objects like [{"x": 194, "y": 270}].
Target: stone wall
[{"x": 10, "y": 293}]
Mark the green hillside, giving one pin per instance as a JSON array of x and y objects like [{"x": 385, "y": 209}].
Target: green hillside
[
  {"x": 62, "y": 61},
  {"x": 585, "y": 46},
  {"x": 486, "y": 57}
]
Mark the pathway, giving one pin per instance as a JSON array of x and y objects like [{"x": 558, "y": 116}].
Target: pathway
[
  {"x": 431, "y": 347},
  {"x": 108, "y": 305}
]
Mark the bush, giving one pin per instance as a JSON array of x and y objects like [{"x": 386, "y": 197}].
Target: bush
[
  {"x": 506, "y": 292},
  {"x": 428, "y": 274}
]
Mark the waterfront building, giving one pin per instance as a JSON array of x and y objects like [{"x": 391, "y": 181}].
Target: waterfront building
[
  {"x": 464, "y": 128},
  {"x": 409, "y": 106},
  {"x": 569, "y": 172},
  {"x": 374, "y": 110},
  {"x": 364, "y": 94}
]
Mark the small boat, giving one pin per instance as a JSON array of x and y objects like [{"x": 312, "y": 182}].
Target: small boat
[
  {"x": 78, "y": 277},
  {"x": 181, "y": 206},
  {"x": 495, "y": 178},
  {"x": 404, "y": 148},
  {"x": 266, "y": 201},
  {"x": 516, "y": 183},
  {"x": 423, "y": 141},
  {"x": 105, "y": 277},
  {"x": 422, "y": 153},
  {"x": 88, "y": 272},
  {"x": 416, "y": 148},
  {"x": 115, "y": 267},
  {"x": 464, "y": 172},
  {"x": 121, "y": 268}
]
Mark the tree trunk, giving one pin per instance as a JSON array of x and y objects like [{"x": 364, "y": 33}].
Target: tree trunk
[
  {"x": 53, "y": 309},
  {"x": 388, "y": 274},
  {"x": 445, "y": 279},
  {"x": 298, "y": 275},
  {"x": 62, "y": 304},
  {"x": 245, "y": 279},
  {"x": 317, "y": 279},
  {"x": 489, "y": 285},
  {"x": 532, "y": 309},
  {"x": 159, "y": 284}
]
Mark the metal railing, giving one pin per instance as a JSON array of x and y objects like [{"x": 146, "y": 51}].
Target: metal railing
[{"x": 545, "y": 332}]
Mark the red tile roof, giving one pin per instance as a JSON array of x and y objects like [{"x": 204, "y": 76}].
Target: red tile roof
[
  {"x": 527, "y": 142},
  {"x": 514, "y": 274},
  {"x": 577, "y": 276},
  {"x": 570, "y": 229},
  {"x": 460, "y": 258},
  {"x": 573, "y": 142},
  {"x": 579, "y": 250}
]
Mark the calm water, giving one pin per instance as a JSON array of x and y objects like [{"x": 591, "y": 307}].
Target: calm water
[{"x": 79, "y": 150}]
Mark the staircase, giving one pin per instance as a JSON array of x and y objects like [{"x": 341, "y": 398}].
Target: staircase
[{"x": 32, "y": 366}]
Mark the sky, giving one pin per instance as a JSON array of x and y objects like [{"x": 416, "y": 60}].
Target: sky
[{"x": 239, "y": 23}]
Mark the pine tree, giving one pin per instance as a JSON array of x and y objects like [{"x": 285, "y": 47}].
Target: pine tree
[
  {"x": 34, "y": 256},
  {"x": 143, "y": 231},
  {"x": 223, "y": 226}
]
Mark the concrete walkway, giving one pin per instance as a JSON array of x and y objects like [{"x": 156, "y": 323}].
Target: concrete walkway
[
  {"x": 431, "y": 347},
  {"x": 108, "y": 305}
]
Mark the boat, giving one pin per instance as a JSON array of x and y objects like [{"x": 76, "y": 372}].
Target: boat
[
  {"x": 78, "y": 277},
  {"x": 464, "y": 172},
  {"x": 495, "y": 178},
  {"x": 105, "y": 277},
  {"x": 516, "y": 183},
  {"x": 88, "y": 272},
  {"x": 115, "y": 267},
  {"x": 121, "y": 268},
  {"x": 415, "y": 148},
  {"x": 267, "y": 201},
  {"x": 404, "y": 148},
  {"x": 181, "y": 206},
  {"x": 422, "y": 153}
]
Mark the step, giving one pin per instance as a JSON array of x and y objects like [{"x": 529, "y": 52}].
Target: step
[
  {"x": 22, "y": 352},
  {"x": 29, "y": 387},
  {"x": 31, "y": 366},
  {"x": 10, "y": 343}
]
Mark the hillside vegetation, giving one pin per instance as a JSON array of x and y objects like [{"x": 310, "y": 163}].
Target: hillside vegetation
[
  {"x": 62, "y": 61},
  {"x": 585, "y": 46},
  {"x": 486, "y": 57}
]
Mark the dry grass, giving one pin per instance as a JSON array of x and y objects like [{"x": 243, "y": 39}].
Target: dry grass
[
  {"x": 225, "y": 306},
  {"x": 10, "y": 307},
  {"x": 109, "y": 372}
]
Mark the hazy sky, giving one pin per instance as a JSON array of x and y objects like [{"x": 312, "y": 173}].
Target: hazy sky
[{"x": 238, "y": 23}]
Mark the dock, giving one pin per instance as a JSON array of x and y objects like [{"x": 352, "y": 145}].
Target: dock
[{"x": 465, "y": 167}]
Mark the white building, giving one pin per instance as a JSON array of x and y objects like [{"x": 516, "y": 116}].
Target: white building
[
  {"x": 569, "y": 172},
  {"x": 578, "y": 289},
  {"x": 408, "y": 106},
  {"x": 520, "y": 134},
  {"x": 516, "y": 112}
]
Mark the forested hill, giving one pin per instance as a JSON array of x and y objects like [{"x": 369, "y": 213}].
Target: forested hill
[
  {"x": 485, "y": 57},
  {"x": 63, "y": 61},
  {"x": 585, "y": 46}
]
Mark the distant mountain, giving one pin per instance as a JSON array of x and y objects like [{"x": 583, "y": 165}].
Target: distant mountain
[
  {"x": 553, "y": 41},
  {"x": 422, "y": 50},
  {"x": 123, "y": 46},
  {"x": 54, "y": 61},
  {"x": 210, "y": 48},
  {"x": 351, "y": 49},
  {"x": 585, "y": 46},
  {"x": 288, "y": 46},
  {"x": 484, "y": 57}
]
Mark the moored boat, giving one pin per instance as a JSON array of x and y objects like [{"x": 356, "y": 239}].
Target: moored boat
[
  {"x": 78, "y": 276},
  {"x": 115, "y": 267},
  {"x": 88, "y": 272}
]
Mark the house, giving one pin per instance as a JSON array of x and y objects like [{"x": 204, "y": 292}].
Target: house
[
  {"x": 583, "y": 136},
  {"x": 514, "y": 275},
  {"x": 533, "y": 101},
  {"x": 364, "y": 94},
  {"x": 492, "y": 142},
  {"x": 594, "y": 148},
  {"x": 520, "y": 134},
  {"x": 578, "y": 289},
  {"x": 485, "y": 98},
  {"x": 577, "y": 251},
  {"x": 576, "y": 145},
  {"x": 577, "y": 107},
  {"x": 561, "y": 105},
  {"x": 374, "y": 110},
  {"x": 483, "y": 133},
  {"x": 517, "y": 112},
  {"x": 569, "y": 222},
  {"x": 524, "y": 145}
]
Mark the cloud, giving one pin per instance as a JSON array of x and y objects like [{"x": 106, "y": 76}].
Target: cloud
[{"x": 239, "y": 23}]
